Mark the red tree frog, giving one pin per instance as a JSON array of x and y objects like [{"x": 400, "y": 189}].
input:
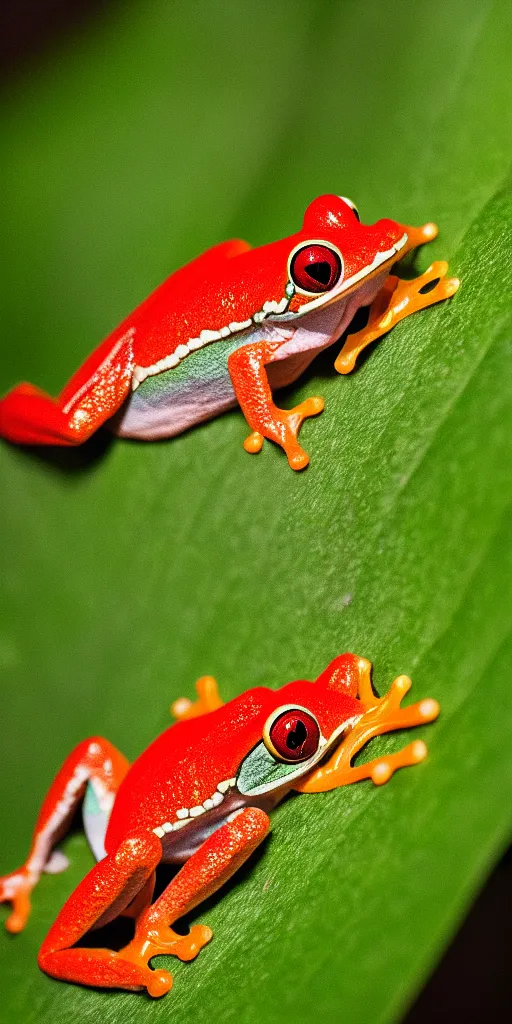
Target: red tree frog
[
  {"x": 233, "y": 325},
  {"x": 200, "y": 797}
]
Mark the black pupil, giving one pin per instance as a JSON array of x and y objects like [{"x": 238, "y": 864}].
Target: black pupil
[
  {"x": 296, "y": 738},
  {"x": 320, "y": 272}
]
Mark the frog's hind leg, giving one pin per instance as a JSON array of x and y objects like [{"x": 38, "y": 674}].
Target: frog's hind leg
[
  {"x": 95, "y": 392},
  {"x": 113, "y": 885},
  {"x": 203, "y": 873},
  {"x": 396, "y": 300},
  {"x": 209, "y": 699},
  {"x": 94, "y": 762}
]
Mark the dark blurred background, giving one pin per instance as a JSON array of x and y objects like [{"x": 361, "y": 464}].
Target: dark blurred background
[
  {"x": 472, "y": 982},
  {"x": 28, "y": 27}
]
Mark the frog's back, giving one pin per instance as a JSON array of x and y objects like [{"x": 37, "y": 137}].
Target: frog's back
[{"x": 184, "y": 766}]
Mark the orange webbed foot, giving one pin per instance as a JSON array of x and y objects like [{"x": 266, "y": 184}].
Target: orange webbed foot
[
  {"x": 288, "y": 424},
  {"x": 15, "y": 889},
  {"x": 396, "y": 300},
  {"x": 209, "y": 699},
  {"x": 163, "y": 941},
  {"x": 381, "y": 715}
]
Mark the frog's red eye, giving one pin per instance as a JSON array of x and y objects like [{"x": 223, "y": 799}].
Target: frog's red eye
[
  {"x": 292, "y": 734},
  {"x": 315, "y": 268}
]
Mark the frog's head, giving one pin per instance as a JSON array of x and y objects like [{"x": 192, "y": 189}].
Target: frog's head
[
  {"x": 334, "y": 253},
  {"x": 308, "y": 720}
]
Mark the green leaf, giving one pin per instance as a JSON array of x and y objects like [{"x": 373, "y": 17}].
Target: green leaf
[{"x": 160, "y": 130}]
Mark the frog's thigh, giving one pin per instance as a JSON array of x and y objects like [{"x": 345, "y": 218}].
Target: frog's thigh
[
  {"x": 94, "y": 393},
  {"x": 103, "y": 894}
]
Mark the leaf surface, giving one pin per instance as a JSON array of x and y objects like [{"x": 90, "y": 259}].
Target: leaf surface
[{"x": 157, "y": 132}]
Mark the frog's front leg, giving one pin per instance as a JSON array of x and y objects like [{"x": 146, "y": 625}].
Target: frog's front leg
[
  {"x": 94, "y": 760},
  {"x": 381, "y": 715},
  {"x": 396, "y": 300},
  {"x": 202, "y": 874},
  {"x": 249, "y": 377}
]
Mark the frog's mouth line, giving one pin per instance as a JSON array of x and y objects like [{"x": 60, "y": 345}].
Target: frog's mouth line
[{"x": 380, "y": 260}]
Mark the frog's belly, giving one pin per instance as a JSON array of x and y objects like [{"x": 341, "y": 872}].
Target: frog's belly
[
  {"x": 172, "y": 401},
  {"x": 196, "y": 390},
  {"x": 178, "y": 846},
  {"x": 200, "y": 387}
]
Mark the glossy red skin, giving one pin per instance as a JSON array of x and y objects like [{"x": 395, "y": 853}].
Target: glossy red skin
[
  {"x": 182, "y": 769},
  {"x": 225, "y": 292},
  {"x": 231, "y": 281},
  {"x": 184, "y": 765}
]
